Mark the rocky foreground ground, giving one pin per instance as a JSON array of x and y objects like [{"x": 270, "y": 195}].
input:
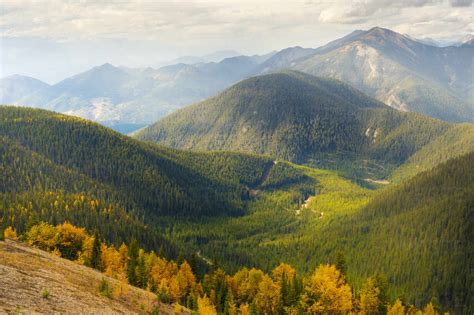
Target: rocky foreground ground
[{"x": 36, "y": 282}]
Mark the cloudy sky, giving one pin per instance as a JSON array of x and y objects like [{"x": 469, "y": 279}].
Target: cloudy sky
[{"x": 52, "y": 39}]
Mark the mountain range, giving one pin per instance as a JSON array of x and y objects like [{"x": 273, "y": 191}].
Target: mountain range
[{"x": 402, "y": 72}]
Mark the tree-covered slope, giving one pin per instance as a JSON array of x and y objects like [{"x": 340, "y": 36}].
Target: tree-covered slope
[
  {"x": 418, "y": 234},
  {"x": 43, "y": 150},
  {"x": 287, "y": 115},
  {"x": 424, "y": 228},
  {"x": 298, "y": 117},
  {"x": 458, "y": 140},
  {"x": 59, "y": 168}
]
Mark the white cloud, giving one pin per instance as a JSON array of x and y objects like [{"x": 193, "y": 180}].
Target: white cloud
[{"x": 186, "y": 20}]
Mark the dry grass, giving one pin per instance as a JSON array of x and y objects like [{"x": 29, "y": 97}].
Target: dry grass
[{"x": 33, "y": 281}]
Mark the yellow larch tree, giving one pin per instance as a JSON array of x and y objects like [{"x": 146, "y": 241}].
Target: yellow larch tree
[
  {"x": 325, "y": 291},
  {"x": 396, "y": 309},
  {"x": 205, "y": 306}
]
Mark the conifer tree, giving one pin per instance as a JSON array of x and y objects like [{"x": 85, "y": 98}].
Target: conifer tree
[
  {"x": 141, "y": 270},
  {"x": 132, "y": 265},
  {"x": 96, "y": 252},
  {"x": 341, "y": 263}
]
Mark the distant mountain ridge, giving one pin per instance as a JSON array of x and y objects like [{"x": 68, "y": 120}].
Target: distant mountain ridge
[
  {"x": 113, "y": 95},
  {"x": 15, "y": 87},
  {"x": 403, "y": 72}
]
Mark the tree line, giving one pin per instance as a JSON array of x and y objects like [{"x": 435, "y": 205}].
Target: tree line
[{"x": 248, "y": 291}]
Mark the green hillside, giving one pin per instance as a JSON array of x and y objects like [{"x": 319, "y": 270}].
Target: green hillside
[
  {"x": 458, "y": 140},
  {"x": 418, "y": 234},
  {"x": 305, "y": 119},
  {"x": 58, "y": 168},
  {"x": 287, "y": 115},
  {"x": 158, "y": 180}
]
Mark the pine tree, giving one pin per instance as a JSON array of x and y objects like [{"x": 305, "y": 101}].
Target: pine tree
[
  {"x": 132, "y": 262},
  {"x": 142, "y": 274},
  {"x": 381, "y": 283},
  {"x": 341, "y": 263},
  {"x": 284, "y": 294},
  {"x": 96, "y": 252}
]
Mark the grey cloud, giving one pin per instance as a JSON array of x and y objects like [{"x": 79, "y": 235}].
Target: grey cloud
[
  {"x": 358, "y": 11},
  {"x": 461, "y": 3}
]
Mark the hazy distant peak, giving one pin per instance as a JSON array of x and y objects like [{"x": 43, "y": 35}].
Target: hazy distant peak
[
  {"x": 24, "y": 78},
  {"x": 107, "y": 67},
  {"x": 16, "y": 86},
  {"x": 425, "y": 41}
]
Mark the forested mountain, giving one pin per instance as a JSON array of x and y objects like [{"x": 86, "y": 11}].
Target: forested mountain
[
  {"x": 306, "y": 119},
  {"x": 160, "y": 180},
  {"x": 245, "y": 210},
  {"x": 424, "y": 221},
  {"x": 403, "y": 72},
  {"x": 58, "y": 168}
]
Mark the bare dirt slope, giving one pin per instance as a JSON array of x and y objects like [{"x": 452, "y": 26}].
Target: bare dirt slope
[{"x": 26, "y": 272}]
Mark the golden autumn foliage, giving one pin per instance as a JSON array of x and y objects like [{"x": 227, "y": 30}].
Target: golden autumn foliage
[
  {"x": 396, "y": 309},
  {"x": 69, "y": 239},
  {"x": 244, "y": 309},
  {"x": 185, "y": 279},
  {"x": 268, "y": 296},
  {"x": 65, "y": 239},
  {"x": 205, "y": 306},
  {"x": 429, "y": 310},
  {"x": 283, "y": 270},
  {"x": 177, "y": 309},
  {"x": 10, "y": 233},
  {"x": 325, "y": 291},
  {"x": 369, "y": 298},
  {"x": 111, "y": 261},
  {"x": 248, "y": 291},
  {"x": 42, "y": 236}
]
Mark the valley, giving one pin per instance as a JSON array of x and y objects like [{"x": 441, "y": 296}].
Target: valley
[{"x": 301, "y": 215}]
